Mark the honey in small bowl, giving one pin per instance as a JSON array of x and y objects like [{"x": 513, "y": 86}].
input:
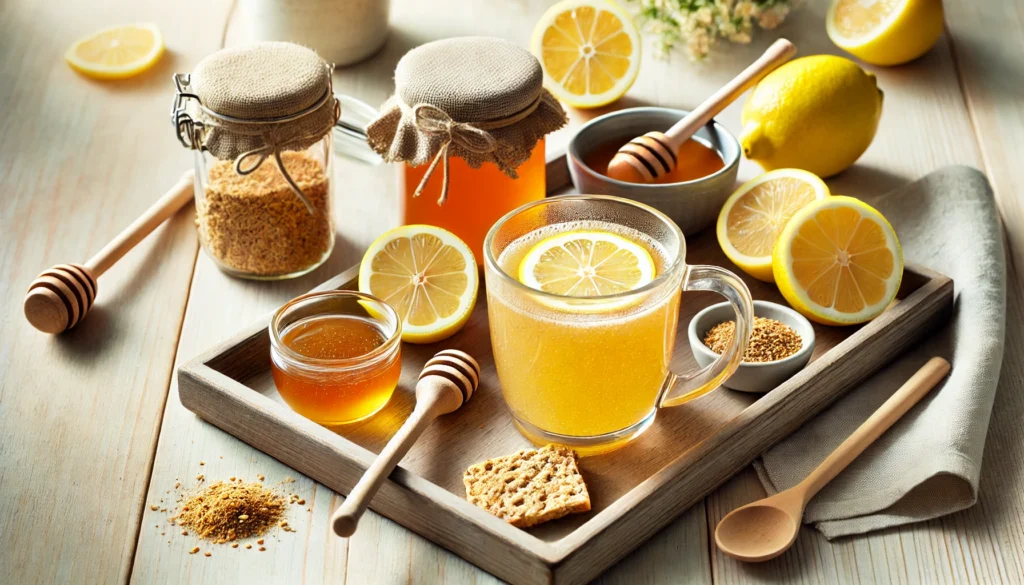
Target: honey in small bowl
[
  {"x": 695, "y": 161},
  {"x": 336, "y": 355}
]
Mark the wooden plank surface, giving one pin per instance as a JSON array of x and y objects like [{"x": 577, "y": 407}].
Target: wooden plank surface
[
  {"x": 79, "y": 160},
  {"x": 925, "y": 126},
  {"x": 81, "y": 429}
]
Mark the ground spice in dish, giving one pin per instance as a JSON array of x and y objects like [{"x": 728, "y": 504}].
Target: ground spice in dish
[
  {"x": 223, "y": 512},
  {"x": 771, "y": 340},
  {"x": 257, "y": 225}
]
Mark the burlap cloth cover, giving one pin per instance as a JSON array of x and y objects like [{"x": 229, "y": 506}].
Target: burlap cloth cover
[
  {"x": 929, "y": 463},
  {"x": 266, "y": 89},
  {"x": 480, "y": 99}
]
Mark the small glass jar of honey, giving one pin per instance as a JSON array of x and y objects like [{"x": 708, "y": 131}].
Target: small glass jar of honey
[{"x": 336, "y": 356}]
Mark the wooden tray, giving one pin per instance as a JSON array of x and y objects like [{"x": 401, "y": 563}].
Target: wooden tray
[{"x": 688, "y": 451}]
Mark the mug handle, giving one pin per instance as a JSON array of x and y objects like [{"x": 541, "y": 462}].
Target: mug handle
[{"x": 678, "y": 388}]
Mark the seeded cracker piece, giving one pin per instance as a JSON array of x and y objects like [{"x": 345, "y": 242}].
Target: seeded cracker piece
[{"x": 528, "y": 487}]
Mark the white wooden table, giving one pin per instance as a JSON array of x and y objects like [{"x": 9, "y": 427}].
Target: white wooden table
[{"x": 91, "y": 430}]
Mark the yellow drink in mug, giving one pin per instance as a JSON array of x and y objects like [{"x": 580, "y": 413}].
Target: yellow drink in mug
[{"x": 583, "y": 296}]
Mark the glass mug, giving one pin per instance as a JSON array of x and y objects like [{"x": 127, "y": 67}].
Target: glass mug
[{"x": 591, "y": 372}]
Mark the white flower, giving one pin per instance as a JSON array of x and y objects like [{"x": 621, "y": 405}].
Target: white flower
[{"x": 698, "y": 24}]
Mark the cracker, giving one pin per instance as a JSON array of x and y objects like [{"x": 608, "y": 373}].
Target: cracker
[{"x": 528, "y": 487}]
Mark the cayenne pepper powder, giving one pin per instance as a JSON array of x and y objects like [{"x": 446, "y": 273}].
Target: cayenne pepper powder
[
  {"x": 223, "y": 512},
  {"x": 770, "y": 340}
]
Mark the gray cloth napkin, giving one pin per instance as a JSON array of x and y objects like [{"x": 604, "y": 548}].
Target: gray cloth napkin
[{"x": 929, "y": 463}]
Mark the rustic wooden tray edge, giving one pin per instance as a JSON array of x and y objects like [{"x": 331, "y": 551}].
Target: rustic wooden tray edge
[{"x": 611, "y": 534}]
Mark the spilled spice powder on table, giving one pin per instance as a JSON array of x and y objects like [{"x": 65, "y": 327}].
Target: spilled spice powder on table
[
  {"x": 771, "y": 340},
  {"x": 224, "y": 511},
  {"x": 256, "y": 224}
]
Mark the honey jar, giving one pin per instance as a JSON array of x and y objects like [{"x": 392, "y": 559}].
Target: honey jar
[
  {"x": 467, "y": 125},
  {"x": 336, "y": 356}
]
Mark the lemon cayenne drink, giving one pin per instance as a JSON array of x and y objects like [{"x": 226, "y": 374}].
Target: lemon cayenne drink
[
  {"x": 583, "y": 299},
  {"x": 554, "y": 364}
]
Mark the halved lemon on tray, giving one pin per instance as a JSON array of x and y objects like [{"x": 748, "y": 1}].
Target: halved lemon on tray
[
  {"x": 885, "y": 32},
  {"x": 838, "y": 261},
  {"x": 755, "y": 214},
  {"x": 117, "y": 52},
  {"x": 427, "y": 274},
  {"x": 589, "y": 50},
  {"x": 587, "y": 263}
]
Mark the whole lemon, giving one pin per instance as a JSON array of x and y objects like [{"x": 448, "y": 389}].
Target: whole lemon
[
  {"x": 816, "y": 113},
  {"x": 885, "y": 33}
]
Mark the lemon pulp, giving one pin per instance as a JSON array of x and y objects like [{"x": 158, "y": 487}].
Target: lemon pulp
[
  {"x": 427, "y": 274},
  {"x": 589, "y": 50},
  {"x": 838, "y": 261}
]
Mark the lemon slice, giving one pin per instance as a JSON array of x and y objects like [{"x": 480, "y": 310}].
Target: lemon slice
[
  {"x": 753, "y": 217},
  {"x": 586, "y": 263},
  {"x": 590, "y": 51},
  {"x": 885, "y": 32},
  {"x": 427, "y": 274},
  {"x": 117, "y": 52},
  {"x": 838, "y": 261}
]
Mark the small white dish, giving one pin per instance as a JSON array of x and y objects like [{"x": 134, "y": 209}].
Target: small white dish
[{"x": 759, "y": 377}]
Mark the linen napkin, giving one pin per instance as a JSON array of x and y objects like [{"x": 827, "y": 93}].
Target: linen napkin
[{"x": 929, "y": 463}]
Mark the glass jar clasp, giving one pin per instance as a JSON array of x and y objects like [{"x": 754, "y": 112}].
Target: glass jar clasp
[{"x": 188, "y": 130}]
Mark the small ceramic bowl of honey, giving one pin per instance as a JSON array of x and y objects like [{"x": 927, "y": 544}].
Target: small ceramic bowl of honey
[
  {"x": 336, "y": 356},
  {"x": 692, "y": 194}
]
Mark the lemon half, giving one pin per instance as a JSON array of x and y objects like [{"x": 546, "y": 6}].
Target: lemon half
[
  {"x": 589, "y": 50},
  {"x": 838, "y": 261},
  {"x": 755, "y": 214},
  {"x": 427, "y": 274},
  {"x": 885, "y": 32},
  {"x": 117, "y": 52}
]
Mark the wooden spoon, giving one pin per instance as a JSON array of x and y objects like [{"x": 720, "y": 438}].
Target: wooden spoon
[
  {"x": 447, "y": 382},
  {"x": 59, "y": 298},
  {"x": 653, "y": 155},
  {"x": 766, "y": 528}
]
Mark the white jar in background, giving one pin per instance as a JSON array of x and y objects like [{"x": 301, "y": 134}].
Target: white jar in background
[{"x": 340, "y": 31}]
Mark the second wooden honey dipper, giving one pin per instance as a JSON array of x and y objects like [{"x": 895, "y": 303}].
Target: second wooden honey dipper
[
  {"x": 59, "y": 298},
  {"x": 447, "y": 382}
]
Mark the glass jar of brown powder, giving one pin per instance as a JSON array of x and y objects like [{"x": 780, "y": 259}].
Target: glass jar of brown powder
[{"x": 259, "y": 120}]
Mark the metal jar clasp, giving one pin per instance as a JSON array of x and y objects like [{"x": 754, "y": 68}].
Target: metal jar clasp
[{"x": 188, "y": 129}]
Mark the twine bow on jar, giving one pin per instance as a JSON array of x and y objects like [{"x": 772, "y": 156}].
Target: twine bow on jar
[
  {"x": 472, "y": 137},
  {"x": 272, "y": 148}
]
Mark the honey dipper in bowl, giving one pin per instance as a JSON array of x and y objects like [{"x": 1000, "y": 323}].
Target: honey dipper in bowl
[{"x": 653, "y": 155}]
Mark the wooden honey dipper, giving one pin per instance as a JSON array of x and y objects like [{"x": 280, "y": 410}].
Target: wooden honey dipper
[
  {"x": 59, "y": 298},
  {"x": 447, "y": 382},
  {"x": 653, "y": 155}
]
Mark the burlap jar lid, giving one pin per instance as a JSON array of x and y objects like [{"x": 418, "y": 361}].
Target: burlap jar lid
[
  {"x": 264, "y": 97},
  {"x": 480, "y": 99}
]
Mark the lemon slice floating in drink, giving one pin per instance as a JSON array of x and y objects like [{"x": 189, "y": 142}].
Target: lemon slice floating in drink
[
  {"x": 117, "y": 52},
  {"x": 590, "y": 51},
  {"x": 838, "y": 261},
  {"x": 427, "y": 274},
  {"x": 586, "y": 263},
  {"x": 754, "y": 215}
]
